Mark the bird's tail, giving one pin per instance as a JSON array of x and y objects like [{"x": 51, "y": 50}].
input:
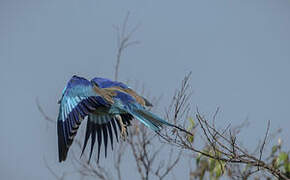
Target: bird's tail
[
  {"x": 153, "y": 121},
  {"x": 150, "y": 120}
]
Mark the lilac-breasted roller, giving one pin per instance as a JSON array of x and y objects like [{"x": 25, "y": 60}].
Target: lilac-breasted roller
[{"x": 109, "y": 106}]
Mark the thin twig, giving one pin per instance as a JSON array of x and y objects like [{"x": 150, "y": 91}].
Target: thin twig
[
  {"x": 264, "y": 141},
  {"x": 123, "y": 42}
]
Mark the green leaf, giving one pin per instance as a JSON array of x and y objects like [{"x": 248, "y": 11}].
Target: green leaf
[
  {"x": 190, "y": 138},
  {"x": 212, "y": 164},
  {"x": 191, "y": 124},
  {"x": 283, "y": 157},
  {"x": 190, "y": 127},
  {"x": 191, "y": 121},
  {"x": 218, "y": 170}
]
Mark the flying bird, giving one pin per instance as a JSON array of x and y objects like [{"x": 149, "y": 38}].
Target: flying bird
[{"x": 109, "y": 105}]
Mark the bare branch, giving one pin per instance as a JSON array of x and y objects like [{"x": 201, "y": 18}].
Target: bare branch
[{"x": 123, "y": 41}]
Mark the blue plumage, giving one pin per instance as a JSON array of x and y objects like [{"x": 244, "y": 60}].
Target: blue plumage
[
  {"x": 109, "y": 105},
  {"x": 105, "y": 83}
]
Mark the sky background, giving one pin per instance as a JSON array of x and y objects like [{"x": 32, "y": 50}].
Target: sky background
[{"x": 238, "y": 52}]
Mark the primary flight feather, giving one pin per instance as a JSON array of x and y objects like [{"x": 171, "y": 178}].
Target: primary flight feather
[{"x": 109, "y": 106}]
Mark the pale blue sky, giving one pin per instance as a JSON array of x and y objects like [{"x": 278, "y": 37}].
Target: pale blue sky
[{"x": 238, "y": 52}]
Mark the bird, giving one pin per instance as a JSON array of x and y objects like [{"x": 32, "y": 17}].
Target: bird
[{"x": 108, "y": 105}]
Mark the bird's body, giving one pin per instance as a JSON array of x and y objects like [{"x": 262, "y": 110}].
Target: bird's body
[{"x": 109, "y": 105}]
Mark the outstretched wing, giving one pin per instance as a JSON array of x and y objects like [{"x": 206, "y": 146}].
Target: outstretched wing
[{"x": 78, "y": 100}]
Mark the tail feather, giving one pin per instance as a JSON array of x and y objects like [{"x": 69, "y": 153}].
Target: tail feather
[
  {"x": 159, "y": 121},
  {"x": 154, "y": 122},
  {"x": 150, "y": 120}
]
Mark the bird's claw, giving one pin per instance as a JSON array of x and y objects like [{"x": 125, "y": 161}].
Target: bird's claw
[{"x": 123, "y": 132}]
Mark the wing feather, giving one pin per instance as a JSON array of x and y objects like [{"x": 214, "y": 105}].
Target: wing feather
[
  {"x": 99, "y": 140},
  {"x": 78, "y": 100},
  {"x": 110, "y": 134},
  {"x": 93, "y": 140},
  {"x": 105, "y": 135},
  {"x": 115, "y": 129},
  {"x": 100, "y": 125}
]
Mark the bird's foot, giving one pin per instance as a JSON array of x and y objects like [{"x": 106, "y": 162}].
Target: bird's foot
[{"x": 123, "y": 132}]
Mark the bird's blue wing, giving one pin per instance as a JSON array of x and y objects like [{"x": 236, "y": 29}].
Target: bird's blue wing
[{"x": 78, "y": 100}]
